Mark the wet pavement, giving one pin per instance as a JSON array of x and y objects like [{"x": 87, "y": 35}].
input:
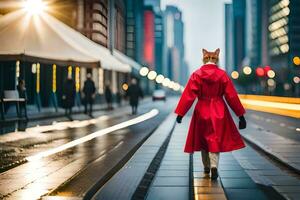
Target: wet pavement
[
  {"x": 244, "y": 174},
  {"x": 142, "y": 167},
  {"x": 39, "y": 177}
]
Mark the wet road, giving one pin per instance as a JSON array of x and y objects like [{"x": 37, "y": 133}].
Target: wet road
[
  {"x": 33, "y": 179},
  {"x": 288, "y": 127}
]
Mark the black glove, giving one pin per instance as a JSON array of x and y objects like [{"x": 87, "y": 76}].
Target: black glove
[
  {"x": 179, "y": 119},
  {"x": 242, "y": 122}
]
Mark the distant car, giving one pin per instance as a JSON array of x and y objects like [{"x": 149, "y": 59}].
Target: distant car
[{"x": 159, "y": 95}]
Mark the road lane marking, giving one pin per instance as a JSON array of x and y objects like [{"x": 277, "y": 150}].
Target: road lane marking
[{"x": 91, "y": 136}]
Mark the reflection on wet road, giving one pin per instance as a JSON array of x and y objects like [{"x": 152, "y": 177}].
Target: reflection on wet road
[{"x": 40, "y": 176}]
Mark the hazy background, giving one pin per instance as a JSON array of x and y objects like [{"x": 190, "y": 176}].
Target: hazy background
[{"x": 204, "y": 28}]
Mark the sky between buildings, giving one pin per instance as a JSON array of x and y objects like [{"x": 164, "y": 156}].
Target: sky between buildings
[{"x": 204, "y": 28}]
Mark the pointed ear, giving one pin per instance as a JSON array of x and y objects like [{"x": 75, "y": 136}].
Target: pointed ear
[
  {"x": 204, "y": 51},
  {"x": 217, "y": 51}
]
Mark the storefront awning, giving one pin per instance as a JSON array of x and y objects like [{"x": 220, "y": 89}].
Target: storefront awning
[
  {"x": 44, "y": 38},
  {"x": 126, "y": 59}
]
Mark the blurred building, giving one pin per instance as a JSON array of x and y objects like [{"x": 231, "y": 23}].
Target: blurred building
[
  {"x": 149, "y": 37},
  {"x": 103, "y": 21},
  {"x": 134, "y": 29},
  {"x": 229, "y": 65},
  {"x": 239, "y": 35},
  {"x": 174, "y": 45},
  {"x": 158, "y": 33},
  {"x": 284, "y": 31}
]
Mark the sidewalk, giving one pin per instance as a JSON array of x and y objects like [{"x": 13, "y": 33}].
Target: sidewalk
[
  {"x": 34, "y": 114},
  {"x": 178, "y": 175}
]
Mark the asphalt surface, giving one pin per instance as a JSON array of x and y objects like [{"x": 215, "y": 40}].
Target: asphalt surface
[
  {"x": 288, "y": 127},
  {"x": 46, "y": 174},
  {"x": 73, "y": 171}
]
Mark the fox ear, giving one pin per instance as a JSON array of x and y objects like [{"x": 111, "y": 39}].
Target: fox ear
[
  {"x": 204, "y": 51},
  {"x": 217, "y": 51}
]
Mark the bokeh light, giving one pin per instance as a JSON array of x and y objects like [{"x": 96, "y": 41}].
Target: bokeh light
[
  {"x": 296, "y": 60},
  {"x": 166, "y": 82},
  {"x": 34, "y": 7},
  {"x": 296, "y": 79},
  {"x": 271, "y": 82},
  {"x": 144, "y": 71},
  {"x": 235, "y": 75},
  {"x": 152, "y": 75},
  {"x": 271, "y": 74},
  {"x": 247, "y": 70},
  {"x": 260, "y": 72},
  {"x": 125, "y": 86},
  {"x": 160, "y": 78}
]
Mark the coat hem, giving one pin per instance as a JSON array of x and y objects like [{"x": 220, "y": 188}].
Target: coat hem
[{"x": 221, "y": 151}]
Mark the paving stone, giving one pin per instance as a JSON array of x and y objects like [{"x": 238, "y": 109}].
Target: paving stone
[
  {"x": 170, "y": 181},
  {"x": 238, "y": 183},
  {"x": 165, "y": 193},
  {"x": 245, "y": 194}
]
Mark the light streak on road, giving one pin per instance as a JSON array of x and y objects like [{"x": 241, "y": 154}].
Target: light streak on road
[{"x": 91, "y": 136}]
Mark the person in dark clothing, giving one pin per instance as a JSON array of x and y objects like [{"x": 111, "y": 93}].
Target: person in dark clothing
[
  {"x": 108, "y": 97},
  {"x": 22, "y": 94},
  {"x": 89, "y": 94},
  {"x": 119, "y": 98},
  {"x": 134, "y": 92},
  {"x": 69, "y": 92}
]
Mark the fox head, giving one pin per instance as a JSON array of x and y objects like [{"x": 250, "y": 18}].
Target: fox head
[{"x": 210, "y": 56}]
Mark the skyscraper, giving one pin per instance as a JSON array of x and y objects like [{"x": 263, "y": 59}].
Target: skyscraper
[
  {"x": 239, "y": 42},
  {"x": 149, "y": 39},
  {"x": 134, "y": 29},
  {"x": 229, "y": 65},
  {"x": 174, "y": 44},
  {"x": 284, "y": 41}
]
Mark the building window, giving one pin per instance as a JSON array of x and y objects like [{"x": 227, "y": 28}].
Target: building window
[{"x": 119, "y": 30}]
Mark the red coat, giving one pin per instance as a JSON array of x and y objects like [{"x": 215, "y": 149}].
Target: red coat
[{"x": 212, "y": 127}]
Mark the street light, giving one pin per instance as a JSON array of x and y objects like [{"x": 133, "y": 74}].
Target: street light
[
  {"x": 176, "y": 87},
  {"x": 34, "y": 7},
  {"x": 247, "y": 70},
  {"x": 166, "y": 82},
  {"x": 260, "y": 72},
  {"x": 171, "y": 84},
  {"x": 235, "y": 75},
  {"x": 271, "y": 82},
  {"x": 296, "y": 79},
  {"x": 125, "y": 86},
  {"x": 271, "y": 73},
  {"x": 144, "y": 71},
  {"x": 159, "y": 79},
  {"x": 152, "y": 75},
  {"x": 296, "y": 60}
]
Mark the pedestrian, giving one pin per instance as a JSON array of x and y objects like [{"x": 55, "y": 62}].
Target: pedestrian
[
  {"x": 108, "y": 96},
  {"x": 212, "y": 129},
  {"x": 134, "y": 92},
  {"x": 89, "y": 90},
  {"x": 68, "y": 97},
  {"x": 119, "y": 98},
  {"x": 23, "y": 95}
]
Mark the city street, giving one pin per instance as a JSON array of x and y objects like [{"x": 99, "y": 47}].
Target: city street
[
  {"x": 34, "y": 178},
  {"x": 37, "y": 163},
  {"x": 149, "y": 100}
]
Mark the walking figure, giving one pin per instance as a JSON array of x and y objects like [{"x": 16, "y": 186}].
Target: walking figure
[
  {"x": 69, "y": 92},
  {"x": 108, "y": 97},
  {"x": 89, "y": 90},
  {"x": 22, "y": 94},
  {"x": 134, "y": 92},
  {"x": 212, "y": 129}
]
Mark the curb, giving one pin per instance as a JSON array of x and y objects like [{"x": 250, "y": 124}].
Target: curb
[{"x": 268, "y": 151}]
